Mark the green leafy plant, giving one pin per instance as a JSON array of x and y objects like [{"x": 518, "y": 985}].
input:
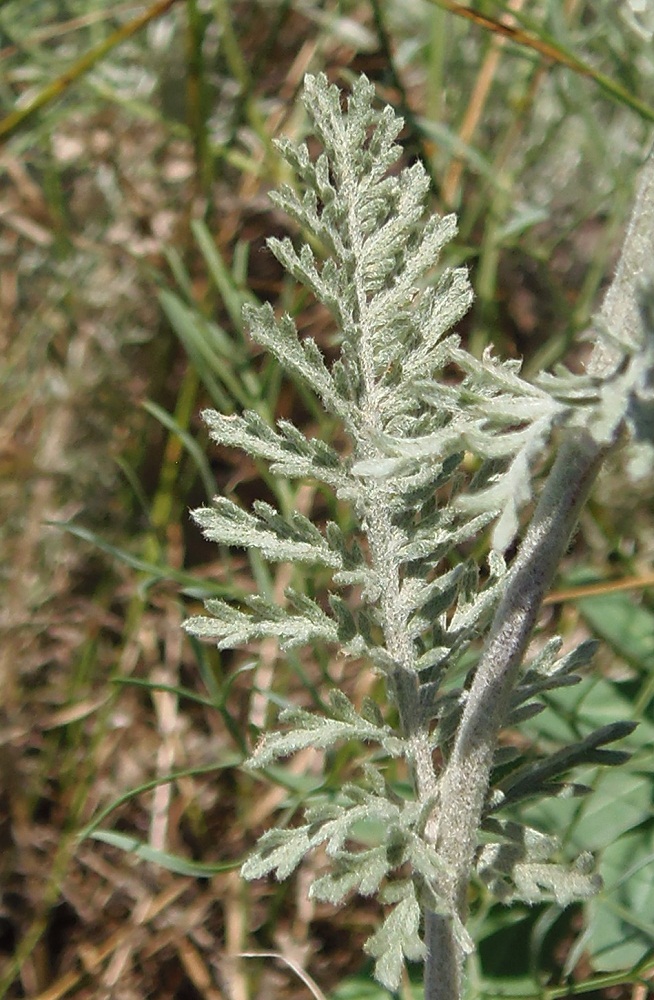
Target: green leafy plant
[{"x": 418, "y": 412}]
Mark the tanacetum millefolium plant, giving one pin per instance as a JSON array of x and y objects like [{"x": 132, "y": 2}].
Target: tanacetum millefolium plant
[{"x": 412, "y": 403}]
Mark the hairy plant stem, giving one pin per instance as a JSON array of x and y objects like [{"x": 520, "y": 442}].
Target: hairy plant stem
[
  {"x": 404, "y": 679},
  {"x": 464, "y": 782},
  {"x": 383, "y": 539}
]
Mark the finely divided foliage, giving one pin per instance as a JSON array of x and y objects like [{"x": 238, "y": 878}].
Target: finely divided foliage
[{"x": 413, "y": 404}]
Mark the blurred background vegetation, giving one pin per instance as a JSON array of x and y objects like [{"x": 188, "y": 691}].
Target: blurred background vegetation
[{"x": 136, "y": 157}]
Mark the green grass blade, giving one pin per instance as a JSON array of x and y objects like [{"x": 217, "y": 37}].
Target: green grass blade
[{"x": 172, "y": 862}]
